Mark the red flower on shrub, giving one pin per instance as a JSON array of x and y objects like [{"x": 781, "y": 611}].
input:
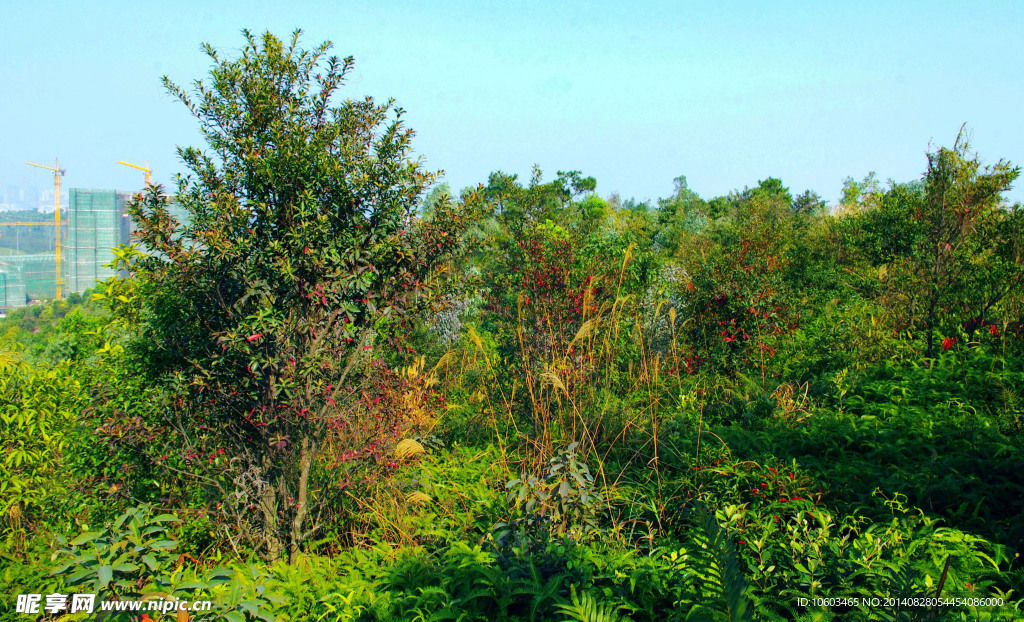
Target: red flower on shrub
[
  {"x": 948, "y": 343},
  {"x": 993, "y": 330}
]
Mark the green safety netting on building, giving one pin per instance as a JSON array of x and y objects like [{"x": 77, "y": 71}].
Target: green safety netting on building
[
  {"x": 95, "y": 224},
  {"x": 31, "y": 277},
  {"x": 12, "y": 285}
]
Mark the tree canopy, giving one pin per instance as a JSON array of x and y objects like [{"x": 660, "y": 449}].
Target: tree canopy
[{"x": 302, "y": 235}]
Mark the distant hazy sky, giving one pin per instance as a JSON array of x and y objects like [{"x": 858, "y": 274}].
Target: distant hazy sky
[{"x": 634, "y": 94}]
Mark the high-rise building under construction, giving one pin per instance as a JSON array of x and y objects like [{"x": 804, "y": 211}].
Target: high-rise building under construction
[{"x": 96, "y": 223}]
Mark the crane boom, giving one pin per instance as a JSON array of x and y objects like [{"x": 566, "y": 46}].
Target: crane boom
[
  {"x": 145, "y": 169},
  {"x": 49, "y": 168}
]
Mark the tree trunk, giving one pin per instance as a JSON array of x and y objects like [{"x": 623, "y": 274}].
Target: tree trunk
[
  {"x": 268, "y": 506},
  {"x": 302, "y": 509}
]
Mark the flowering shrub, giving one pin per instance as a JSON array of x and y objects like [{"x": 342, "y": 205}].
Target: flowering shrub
[
  {"x": 738, "y": 302},
  {"x": 262, "y": 310}
]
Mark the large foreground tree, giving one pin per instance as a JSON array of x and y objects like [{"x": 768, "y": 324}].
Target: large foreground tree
[{"x": 263, "y": 304}]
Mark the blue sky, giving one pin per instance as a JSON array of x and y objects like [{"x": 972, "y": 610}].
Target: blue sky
[{"x": 725, "y": 93}]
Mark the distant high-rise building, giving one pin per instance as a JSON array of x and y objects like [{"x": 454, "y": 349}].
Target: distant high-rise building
[{"x": 96, "y": 224}]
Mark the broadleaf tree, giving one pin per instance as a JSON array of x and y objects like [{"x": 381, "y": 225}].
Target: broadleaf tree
[
  {"x": 968, "y": 258},
  {"x": 263, "y": 306}
]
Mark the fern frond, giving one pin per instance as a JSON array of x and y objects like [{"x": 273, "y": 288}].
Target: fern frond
[{"x": 586, "y": 608}]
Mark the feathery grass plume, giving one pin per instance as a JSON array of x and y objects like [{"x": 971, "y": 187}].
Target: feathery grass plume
[
  {"x": 625, "y": 262},
  {"x": 417, "y": 498},
  {"x": 550, "y": 377},
  {"x": 587, "y": 329},
  {"x": 408, "y": 448},
  {"x": 415, "y": 368},
  {"x": 475, "y": 337},
  {"x": 447, "y": 359}
]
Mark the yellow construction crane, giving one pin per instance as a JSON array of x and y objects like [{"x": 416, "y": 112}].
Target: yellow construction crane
[
  {"x": 144, "y": 169},
  {"x": 58, "y": 172}
]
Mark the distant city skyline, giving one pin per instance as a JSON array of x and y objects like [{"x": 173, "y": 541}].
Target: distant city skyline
[
  {"x": 13, "y": 198},
  {"x": 635, "y": 95}
]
